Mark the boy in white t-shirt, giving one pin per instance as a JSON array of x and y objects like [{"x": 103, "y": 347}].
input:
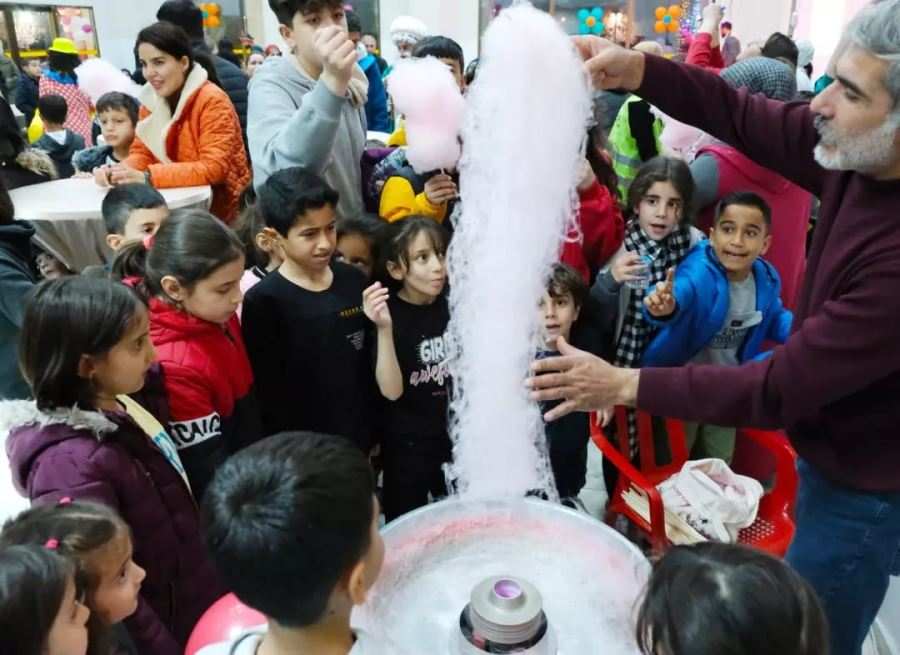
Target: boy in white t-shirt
[{"x": 291, "y": 525}]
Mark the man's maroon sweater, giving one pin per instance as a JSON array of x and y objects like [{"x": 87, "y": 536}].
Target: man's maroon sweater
[{"x": 835, "y": 385}]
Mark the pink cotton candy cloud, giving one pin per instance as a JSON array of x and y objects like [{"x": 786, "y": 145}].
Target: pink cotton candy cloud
[
  {"x": 427, "y": 95},
  {"x": 97, "y": 77}
]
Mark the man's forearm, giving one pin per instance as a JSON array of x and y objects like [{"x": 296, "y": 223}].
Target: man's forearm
[{"x": 628, "y": 381}]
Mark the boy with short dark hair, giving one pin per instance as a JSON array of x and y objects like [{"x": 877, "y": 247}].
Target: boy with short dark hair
[
  {"x": 448, "y": 51},
  {"x": 722, "y": 304},
  {"x": 132, "y": 212},
  {"x": 304, "y": 327},
  {"x": 406, "y": 192},
  {"x": 28, "y": 92},
  {"x": 58, "y": 141},
  {"x": 561, "y": 303},
  {"x": 309, "y": 109},
  {"x": 118, "y": 113},
  {"x": 291, "y": 525}
]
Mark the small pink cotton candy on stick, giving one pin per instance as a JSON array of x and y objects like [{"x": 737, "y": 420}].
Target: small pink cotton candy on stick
[{"x": 427, "y": 95}]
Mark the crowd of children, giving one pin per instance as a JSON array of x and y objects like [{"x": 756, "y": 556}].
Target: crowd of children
[{"x": 139, "y": 427}]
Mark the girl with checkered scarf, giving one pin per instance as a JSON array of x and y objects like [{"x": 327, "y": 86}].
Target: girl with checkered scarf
[{"x": 658, "y": 236}]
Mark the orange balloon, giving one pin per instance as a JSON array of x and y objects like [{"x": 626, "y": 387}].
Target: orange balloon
[
  {"x": 675, "y": 12},
  {"x": 590, "y": 21},
  {"x": 214, "y": 21},
  {"x": 660, "y": 13},
  {"x": 674, "y": 26},
  {"x": 212, "y": 9},
  {"x": 660, "y": 26}
]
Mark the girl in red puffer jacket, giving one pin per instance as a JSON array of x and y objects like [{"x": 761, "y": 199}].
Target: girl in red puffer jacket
[{"x": 191, "y": 274}]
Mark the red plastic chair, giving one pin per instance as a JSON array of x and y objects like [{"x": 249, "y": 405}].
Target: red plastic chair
[{"x": 774, "y": 526}]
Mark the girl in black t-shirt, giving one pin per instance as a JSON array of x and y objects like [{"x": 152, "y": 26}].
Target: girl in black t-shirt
[{"x": 411, "y": 362}]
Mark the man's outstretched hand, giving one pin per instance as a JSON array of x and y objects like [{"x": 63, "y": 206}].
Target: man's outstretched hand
[
  {"x": 582, "y": 381},
  {"x": 608, "y": 65}
]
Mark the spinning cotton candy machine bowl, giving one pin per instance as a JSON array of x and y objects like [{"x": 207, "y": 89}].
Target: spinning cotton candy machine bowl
[{"x": 463, "y": 578}]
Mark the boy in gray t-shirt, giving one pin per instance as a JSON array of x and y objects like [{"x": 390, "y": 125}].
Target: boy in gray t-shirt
[{"x": 307, "y": 108}]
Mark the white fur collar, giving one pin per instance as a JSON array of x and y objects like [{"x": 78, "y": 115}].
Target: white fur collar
[
  {"x": 154, "y": 129},
  {"x": 17, "y": 413}
]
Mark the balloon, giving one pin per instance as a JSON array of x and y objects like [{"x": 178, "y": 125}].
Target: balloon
[
  {"x": 86, "y": 28},
  {"x": 222, "y": 622},
  {"x": 597, "y": 12},
  {"x": 583, "y": 14},
  {"x": 675, "y": 12},
  {"x": 205, "y": 14},
  {"x": 590, "y": 21},
  {"x": 660, "y": 12},
  {"x": 673, "y": 26},
  {"x": 660, "y": 26},
  {"x": 213, "y": 9},
  {"x": 214, "y": 21},
  {"x": 667, "y": 19},
  {"x": 584, "y": 29}
]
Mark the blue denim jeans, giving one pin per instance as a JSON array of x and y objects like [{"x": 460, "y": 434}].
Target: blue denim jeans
[{"x": 847, "y": 546}]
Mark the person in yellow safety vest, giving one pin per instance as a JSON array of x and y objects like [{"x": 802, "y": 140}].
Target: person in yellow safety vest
[{"x": 634, "y": 139}]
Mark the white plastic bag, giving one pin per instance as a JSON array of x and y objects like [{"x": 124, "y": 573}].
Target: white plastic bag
[{"x": 712, "y": 498}]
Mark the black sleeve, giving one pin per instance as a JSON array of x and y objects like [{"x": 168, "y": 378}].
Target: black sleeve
[
  {"x": 260, "y": 327},
  {"x": 25, "y": 102},
  {"x": 640, "y": 121}
]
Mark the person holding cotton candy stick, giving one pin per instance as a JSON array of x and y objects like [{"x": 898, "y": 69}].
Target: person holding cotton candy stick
[{"x": 428, "y": 91}]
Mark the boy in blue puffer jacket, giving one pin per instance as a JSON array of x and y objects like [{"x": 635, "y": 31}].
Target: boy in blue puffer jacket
[{"x": 721, "y": 306}]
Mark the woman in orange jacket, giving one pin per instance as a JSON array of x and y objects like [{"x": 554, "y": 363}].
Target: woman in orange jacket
[{"x": 188, "y": 133}]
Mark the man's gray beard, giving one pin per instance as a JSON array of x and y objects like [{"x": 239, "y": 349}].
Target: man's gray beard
[{"x": 864, "y": 152}]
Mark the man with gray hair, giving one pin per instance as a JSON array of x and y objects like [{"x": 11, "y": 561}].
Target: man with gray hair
[{"x": 835, "y": 385}]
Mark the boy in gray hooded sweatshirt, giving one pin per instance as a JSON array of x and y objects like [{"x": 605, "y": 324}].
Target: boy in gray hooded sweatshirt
[{"x": 308, "y": 108}]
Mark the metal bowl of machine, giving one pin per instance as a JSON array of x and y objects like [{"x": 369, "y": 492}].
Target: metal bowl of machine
[{"x": 522, "y": 576}]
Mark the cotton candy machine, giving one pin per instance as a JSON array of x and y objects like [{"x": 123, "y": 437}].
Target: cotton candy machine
[
  {"x": 462, "y": 578},
  {"x": 488, "y": 571}
]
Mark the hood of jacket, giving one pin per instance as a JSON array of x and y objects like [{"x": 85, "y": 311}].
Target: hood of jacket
[
  {"x": 15, "y": 246},
  {"x": 755, "y": 174},
  {"x": 57, "y": 150},
  {"x": 29, "y": 431}
]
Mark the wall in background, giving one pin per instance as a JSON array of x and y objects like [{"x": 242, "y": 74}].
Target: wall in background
[{"x": 457, "y": 19}]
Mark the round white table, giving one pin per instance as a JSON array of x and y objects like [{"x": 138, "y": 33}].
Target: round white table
[{"x": 68, "y": 220}]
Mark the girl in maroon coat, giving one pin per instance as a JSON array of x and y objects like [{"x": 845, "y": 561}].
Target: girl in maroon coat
[{"x": 84, "y": 347}]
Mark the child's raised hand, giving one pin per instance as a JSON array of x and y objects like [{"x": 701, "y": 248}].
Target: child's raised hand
[
  {"x": 440, "y": 188},
  {"x": 338, "y": 55},
  {"x": 712, "y": 15},
  {"x": 375, "y": 305},
  {"x": 627, "y": 267},
  {"x": 661, "y": 301}
]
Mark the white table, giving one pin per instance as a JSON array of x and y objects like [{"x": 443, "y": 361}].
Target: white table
[{"x": 68, "y": 220}]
